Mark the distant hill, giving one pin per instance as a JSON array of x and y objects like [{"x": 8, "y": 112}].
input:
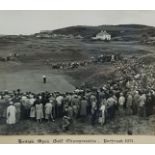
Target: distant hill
[
  {"x": 125, "y": 32},
  {"x": 129, "y": 31}
]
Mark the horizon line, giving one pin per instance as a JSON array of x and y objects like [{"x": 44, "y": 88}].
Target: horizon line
[{"x": 78, "y": 26}]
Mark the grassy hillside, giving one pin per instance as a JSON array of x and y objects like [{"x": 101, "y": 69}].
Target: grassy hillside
[
  {"x": 132, "y": 31},
  {"x": 32, "y": 52},
  {"x": 126, "y": 32}
]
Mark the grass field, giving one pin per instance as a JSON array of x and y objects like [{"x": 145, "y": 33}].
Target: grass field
[
  {"x": 27, "y": 70},
  {"x": 118, "y": 126},
  {"x": 31, "y": 80}
]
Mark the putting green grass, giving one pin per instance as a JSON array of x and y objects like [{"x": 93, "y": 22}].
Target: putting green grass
[{"x": 31, "y": 80}]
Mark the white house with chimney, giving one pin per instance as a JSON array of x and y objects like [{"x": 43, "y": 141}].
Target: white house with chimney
[{"x": 103, "y": 35}]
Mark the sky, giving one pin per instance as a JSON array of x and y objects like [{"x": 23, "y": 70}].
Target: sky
[{"x": 29, "y": 22}]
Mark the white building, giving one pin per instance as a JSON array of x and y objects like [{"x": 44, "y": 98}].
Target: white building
[{"x": 103, "y": 35}]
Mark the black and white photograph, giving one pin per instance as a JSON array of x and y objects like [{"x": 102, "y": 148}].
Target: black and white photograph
[{"x": 77, "y": 72}]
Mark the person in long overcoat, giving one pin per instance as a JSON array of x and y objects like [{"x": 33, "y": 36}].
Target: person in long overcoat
[
  {"x": 32, "y": 101},
  {"x": 141, "y": 105},
  {"x": 33, "y": 112},
  {"x": 129, "y": 104},
  {"x": 39, "y": 111},
  {"x": 149, "y": 104},
  {"x": 3, "y": 107},
  {"x": 11, "y": 114},
  {"x": 83, "y": 107},
  {"x": 135, "y": 102},
  {"x": 111, "y": 102},
  {"x": 18, "y": 111},
  {"x": 102, "y": 112},
  {"x": 93, "y": 112},
  {"x": 75, "y": 105},
  {"x": 48, "y": 111},
  {"x": 121, "y": 102}
]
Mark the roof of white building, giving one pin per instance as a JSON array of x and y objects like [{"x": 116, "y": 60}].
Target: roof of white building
[{"x": 102, "y": 33}]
